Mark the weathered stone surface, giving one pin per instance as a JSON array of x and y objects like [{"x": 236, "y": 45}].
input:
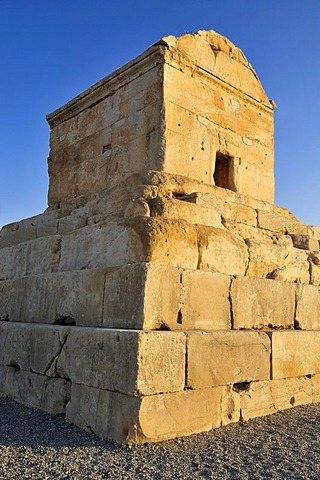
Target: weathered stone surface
[
  {"x": 255, "y": 305},
  {"x": 315, "y": 385},
  {"x": 295, "y": 269},
  {"x": 182, "y": 209},
  {"x": 161, "y": 297},
  {"x": 131, "y": 362},
  {"x": 150, "y": 419},
  {"x": 122, "y": 133},
  {"x": 221, "y": 251},
  {"x": 115, "y": 415},
  {"x": 40, "y": 391},
  {"x": 314, "y": 262},
  {"x": 279, "y": 262},
  {"x": 62, "y": 298},
  {"x": 134, "y": 240},
  {"x": 264, "y": 398},
  {"x": 222, "y": 358},
  {"x": 295, "y": 353},
  {"x": 30, "y": 258},
  {"x": 31, "y": 348},
  {"x": 281, "y": 223},
  {"x": 178, "y": 414},
  {"x": 308, "y": 307},
  {"x": 305, "y": 242},
  {"x": 161, "y": 218}
]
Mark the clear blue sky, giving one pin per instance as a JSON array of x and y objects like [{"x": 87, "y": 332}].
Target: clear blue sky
[{"x": 51, "y": 50}]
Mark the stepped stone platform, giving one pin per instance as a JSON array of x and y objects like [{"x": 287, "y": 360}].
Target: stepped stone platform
[{"x": 162, "y": 293}]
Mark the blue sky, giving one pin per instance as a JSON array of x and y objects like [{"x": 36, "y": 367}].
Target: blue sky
[{"x": 51, "y": 50}]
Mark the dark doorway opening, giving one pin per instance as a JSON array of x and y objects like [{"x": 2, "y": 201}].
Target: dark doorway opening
[{"x": 224, "y": 171}]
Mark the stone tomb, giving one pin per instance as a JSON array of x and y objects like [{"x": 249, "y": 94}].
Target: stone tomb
[{"x": 162, "y": 293}]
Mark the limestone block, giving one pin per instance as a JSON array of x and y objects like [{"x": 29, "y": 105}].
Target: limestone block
[
  {"x": 71, "y": 223},
  {"x": 115, "y": 415},
  {"x": 295, "y": 353},
  {"x": 308, "y": 307},
  {"x": 208, "y": 200},
  {"x": 295, "y": 269},
  {"x": 31, "y": 348},
  {"x": 12, "y": 234},
  {"x": 30, "y": 258},
  {"x": 177, "y": 414},
  {"x": 248, "y": 233},
  {"x": 230, "y": 406},
  {"x": 221, "y": 251},
  {"x": 39, "y": 391},
  {"x": 47, "y": 224},
  {"x": 255, "y": 305},
  {"x": 204, "y": 300},
  {"x": 315, "y": 231},
  {"x": 129, "y": 241},
  {"x": 168, "y": 242},
  {"x": 305, "y": 242},
  {"x": 264, "y": 398},
  {"x": 137, "y": 207},
  {"x": 241, "y": 214},
  {"x": 221, "y": 358},
  {"x": 315, "y": 386},
  {"x": 193, "y": 90},
  {"x": 98, "y": 246},
  {"x": 148, "y": 419},
  {"x": 255, "y": 180},
  {"x": 130, "y": 362},
  {"x": 183, "y": 209},
  {"x": 277, "y": 261},
  {"x": 281, "y": 223},
  {"x": 315, "y": 274},
  {"x": 156, "y": 297},
  {"x": 63, "y": 298}
]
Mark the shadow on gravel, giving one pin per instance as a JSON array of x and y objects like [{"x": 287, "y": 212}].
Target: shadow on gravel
[
  {"x": 29, "y": 427},
  {"x": 283, "y": 446}
]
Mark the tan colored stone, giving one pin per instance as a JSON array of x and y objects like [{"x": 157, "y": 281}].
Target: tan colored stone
[
  {"x": 308, "y": 307},
  {"x": 148, "y": 419},
  {"x": 222, "y": 358},
  {"x": 315, "y": 231},
  {"x": 241, "y": 214},
  {"x": 30, "y": 258},
  {"x": 39, "y": 391},
  {"x": 315, "y": 385},
  {"x": 295, "y": 269},
  {"x": 295, "y": 353},
  {"x": 129, "y": 241},
  {"x": 279, "y": 262},
  {"x": 221, "y": 251},
  {"x": 31, "y": 348},
  {"x": 281, "y": 223},
  {"x": 265, "y": 398},
  {"x": 115, "y": 415},
  {"x": 178, "y": 414},
  {"x": 62, "y": 298},
  {"x": 230, "y": 406},
  {"x": 305, "y": 242},
  {"x": 161, "y": 297},
  {"x": 255, "y": 305},
  {"x": 183, "y": 209},
  {"x": 131, "y": 362},
  {"x": 315, "y": 274}
]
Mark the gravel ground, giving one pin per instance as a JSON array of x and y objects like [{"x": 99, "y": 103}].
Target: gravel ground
[{"x": 36, "y": 445}]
